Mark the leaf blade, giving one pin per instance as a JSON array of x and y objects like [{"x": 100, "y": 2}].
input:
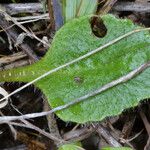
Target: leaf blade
[{"x": 66, "y": 89}]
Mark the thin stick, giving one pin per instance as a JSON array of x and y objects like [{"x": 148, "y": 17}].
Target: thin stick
[
  {"x": 76, "y": 60},
  {"x": 16, "y": 8},
  {"x": 103, "y": 131},
  {"x": 12, "y": 58},
  {"x": 81, "y": 99},
  {"x": 50, "y": 136},
  {"x": 43, "y": 16},
  {"x": 13, "y": 130},
  {"x": 132, "y": 6}
]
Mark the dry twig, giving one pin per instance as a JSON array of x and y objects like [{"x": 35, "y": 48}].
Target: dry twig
[
  {"x": 12, "y": 58},
  {"x": 16, "y": 8},
  {"x": 132, "y": 6},
  {"x": 27, "y": 124},
  {"x": 102, "y": 131}
]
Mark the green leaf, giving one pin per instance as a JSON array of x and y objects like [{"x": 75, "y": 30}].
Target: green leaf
[
  {"x": 77, "y": 8},
  {"x": 75, "y": 39},
  {"x": 69, "y": 9},
  {"x": 86, "y": 7},
  {"x": 75, "y": 146},
  {"x": 116, "y": 148}
]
